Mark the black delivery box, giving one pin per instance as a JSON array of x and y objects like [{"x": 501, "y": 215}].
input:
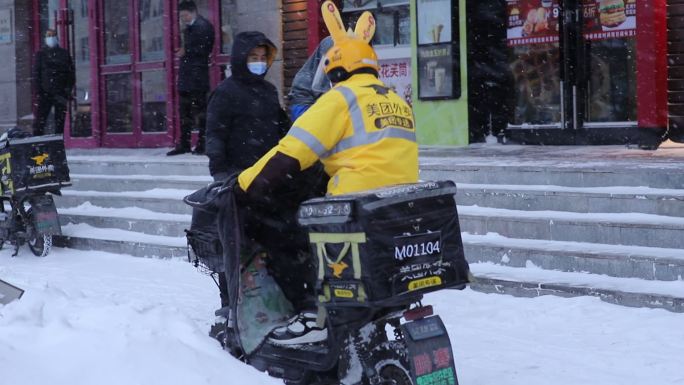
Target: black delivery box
[
  {"x": 386, "y": 246},
  {"x": 33, "y": 164}
]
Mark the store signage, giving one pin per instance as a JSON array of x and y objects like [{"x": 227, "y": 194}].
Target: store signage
[
  {"x": 537, "y": 21},
  {"x": 5, "y": 26},
  {"x": 439, "y": 69},
  {"x": 609, "y": 19},
  {"x": 396, "y": 74},
  {"x": 532, "y": 22}
]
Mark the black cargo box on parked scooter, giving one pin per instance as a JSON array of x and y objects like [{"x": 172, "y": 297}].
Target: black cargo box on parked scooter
[
  {"x": 33, "y": 164},
  {"x": 386, "y": 246}
]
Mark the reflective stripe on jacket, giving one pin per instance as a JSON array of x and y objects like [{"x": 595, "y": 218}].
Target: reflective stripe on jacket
[{"x": 363, "y": 133}]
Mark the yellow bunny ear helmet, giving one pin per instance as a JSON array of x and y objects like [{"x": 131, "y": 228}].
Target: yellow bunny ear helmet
[
  {"x": 349, "y": 54},
  {"x": 365, "y": 27}
]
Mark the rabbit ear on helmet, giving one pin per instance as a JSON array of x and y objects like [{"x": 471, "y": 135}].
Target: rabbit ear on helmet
[
  {"x": 365, "y": 27},
  {"x": 333, "y": 21}
]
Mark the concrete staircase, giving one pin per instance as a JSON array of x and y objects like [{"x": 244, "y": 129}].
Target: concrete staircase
[
  {"x": 539, "y": 222},
  {"x": 130, "y": 201},
  {"x": 607, "y": 221}
]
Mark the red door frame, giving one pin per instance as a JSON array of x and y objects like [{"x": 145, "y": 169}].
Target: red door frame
[
  {"x": 98, "y": 70},
  {"x": 652, "y": 64},
  {"x": 316, "y": 26},
  {"x": 136, "y": 67}
]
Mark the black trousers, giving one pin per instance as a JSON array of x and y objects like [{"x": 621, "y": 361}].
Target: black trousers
[
  {"x": 193, "y": 113},
  {"x": 44, "y": 103}
]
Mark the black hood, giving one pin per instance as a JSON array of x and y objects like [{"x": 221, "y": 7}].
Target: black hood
[{"x": 244, "y": 42}]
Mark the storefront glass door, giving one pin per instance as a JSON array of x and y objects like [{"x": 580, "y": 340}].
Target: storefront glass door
[
  {"x": 134, "y": 73},
  {"x": 126, "y": 68},
  {"x": 572, "y": 63},
  {"x": 533, "y": 38},
  {"x": 609, "y": 47}
]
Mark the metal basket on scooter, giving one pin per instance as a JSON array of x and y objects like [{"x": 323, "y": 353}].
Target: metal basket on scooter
[
  {"x": 204, "y": 246},
  {"x": 386, "y": 246}
]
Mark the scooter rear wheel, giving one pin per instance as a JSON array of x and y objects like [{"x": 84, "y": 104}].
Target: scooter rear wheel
[
  {"x": 40, "y": 245},
  {"x": 391, "y": 363}
]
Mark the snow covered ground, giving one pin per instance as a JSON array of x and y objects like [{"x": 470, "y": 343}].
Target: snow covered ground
[{"x": 97, "y": 318}]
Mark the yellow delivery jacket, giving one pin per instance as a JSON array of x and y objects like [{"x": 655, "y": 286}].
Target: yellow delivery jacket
[{"x": 363, "y": 133}]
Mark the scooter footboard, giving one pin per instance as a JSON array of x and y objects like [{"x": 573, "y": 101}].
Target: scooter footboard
[{"x": 431, "y": 358}]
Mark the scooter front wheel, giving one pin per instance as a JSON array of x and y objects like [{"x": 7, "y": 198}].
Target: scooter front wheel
[{"x": 40, "y": 245}]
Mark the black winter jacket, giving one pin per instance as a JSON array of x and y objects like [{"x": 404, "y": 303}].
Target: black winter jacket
[
  {"x": 244, "y": 117},
  {"x": 53, "y": 72},
  {"x": 198, "y": 42}
]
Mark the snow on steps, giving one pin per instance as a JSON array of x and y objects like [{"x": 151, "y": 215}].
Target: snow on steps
[
  {"x": 143, "y": 185},
  {"x": 82, "y": 236},
  {"x": 634, "y": 229},
  {"x": 143, "y": 182},
  {"x": 616, "y": 199},
  {"x": 130, "y": 219},
  {"x": 533, "y": 281},
  {"x": 577, "y": 213},
  {"x": 157, "y": 200}
]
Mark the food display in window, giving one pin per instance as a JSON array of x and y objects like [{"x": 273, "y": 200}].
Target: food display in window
[{"x": 612, "y": 13}]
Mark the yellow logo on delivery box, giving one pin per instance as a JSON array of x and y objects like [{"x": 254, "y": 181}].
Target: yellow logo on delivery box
[{"x": 40, "y": 159}]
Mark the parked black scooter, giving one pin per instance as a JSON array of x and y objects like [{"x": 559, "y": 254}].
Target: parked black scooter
[
  {"x": 376, "y": 254},
  {"x": 32, "y": 169}
]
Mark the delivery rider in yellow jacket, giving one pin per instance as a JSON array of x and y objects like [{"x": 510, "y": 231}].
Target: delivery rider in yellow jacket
[{"x": 362, "y": 132}]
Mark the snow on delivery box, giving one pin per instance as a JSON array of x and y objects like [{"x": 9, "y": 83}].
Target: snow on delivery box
[
  {"x": 36, "y": 163},
  {"x": 385, "y": 245}
]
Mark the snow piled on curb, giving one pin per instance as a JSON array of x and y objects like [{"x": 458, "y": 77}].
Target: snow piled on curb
[{"x": 96, "y": 318}]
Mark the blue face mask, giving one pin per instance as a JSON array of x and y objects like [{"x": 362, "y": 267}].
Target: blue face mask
[
  {"x": 257, "y": 67},
  {"x": 51, "y": 41}
]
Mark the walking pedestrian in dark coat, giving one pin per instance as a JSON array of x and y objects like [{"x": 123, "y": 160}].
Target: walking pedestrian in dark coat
[
  {"x": 53, "y": 83},
  {"x": 193, "y": 76},
  {"x": 244, "y": 118}
]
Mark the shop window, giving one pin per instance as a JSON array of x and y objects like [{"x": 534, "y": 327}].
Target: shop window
[
  {"x": 119, "y": 102},
  {"x": 47, "y": 9},
  {"x": 116, "y": 30},
  {"x": 393, "y": 20},
  {"x": 84, "y": 49},
  {"x": 84, "y": 8},
  {"x": 612, "y": 80},
  {"x": 154, "y": 101},
  {"x": 151, "y": 30},
  {"x": 228, "y": 24}
]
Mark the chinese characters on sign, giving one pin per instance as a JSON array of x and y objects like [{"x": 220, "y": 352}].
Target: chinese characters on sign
[
  {"x": 532, "y": 21},
  {"x": 436, "y": 72},
  {"x": 537, "y": 21},
  {"x": 396, "y": 74},
  {"x": 5, "y": 26},
  {"x": 609, "y": 19}
]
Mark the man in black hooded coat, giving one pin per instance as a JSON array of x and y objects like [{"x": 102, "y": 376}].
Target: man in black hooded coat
[
  {"x": 244, "y": 121},
  {"x": 244, "y": 117}
]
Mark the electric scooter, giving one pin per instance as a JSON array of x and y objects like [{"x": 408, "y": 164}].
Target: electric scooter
[
  {"x": 32, "y": 169},
  {"x": 375, "y": 255}
]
